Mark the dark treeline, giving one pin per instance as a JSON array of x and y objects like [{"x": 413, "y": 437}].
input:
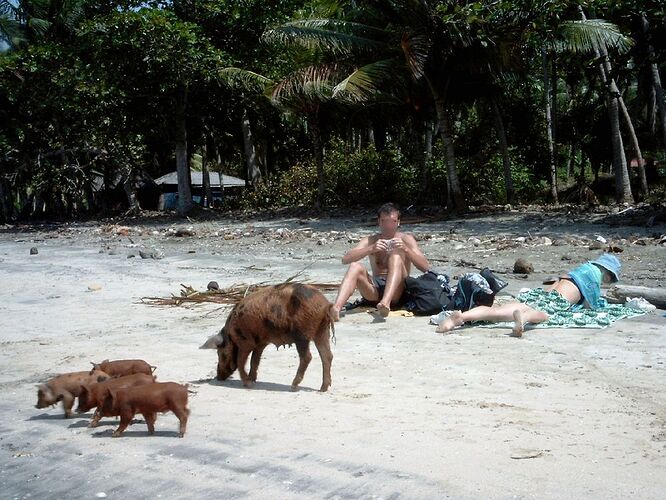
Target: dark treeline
[{"x": 330, "y": 103}]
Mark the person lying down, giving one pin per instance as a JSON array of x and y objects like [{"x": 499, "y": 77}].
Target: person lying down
[{"x": 579, "y": 288}]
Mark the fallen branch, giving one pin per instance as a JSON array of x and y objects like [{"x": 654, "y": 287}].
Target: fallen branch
[{"x": 231, "y": 295}]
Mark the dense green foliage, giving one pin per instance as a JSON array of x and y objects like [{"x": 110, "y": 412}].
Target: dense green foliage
[{"x": 330, "y": 102}]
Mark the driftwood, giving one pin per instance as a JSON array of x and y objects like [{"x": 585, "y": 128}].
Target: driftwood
[{"x": 619, "y": 293}]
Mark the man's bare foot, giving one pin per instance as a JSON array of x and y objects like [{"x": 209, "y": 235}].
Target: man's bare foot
[
  {"x": 518, "y": 325},
  {"x": 383, "y": 309},
  {"x": 450, "y": 322}
]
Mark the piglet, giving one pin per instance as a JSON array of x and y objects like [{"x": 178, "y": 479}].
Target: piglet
[
  {"x": 93, "y": 395},
  {"x": 122, "y": 367},
  {"x": 65, "y": 388},
  {"x": 147, "y": 400}
]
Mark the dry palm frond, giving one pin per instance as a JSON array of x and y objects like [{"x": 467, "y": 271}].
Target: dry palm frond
[{"x": 230, "y": 295}]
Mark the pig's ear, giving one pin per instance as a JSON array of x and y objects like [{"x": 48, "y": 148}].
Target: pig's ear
[
  {"x": 93, "y": 363},
  {"x": 213, "y": 342}
]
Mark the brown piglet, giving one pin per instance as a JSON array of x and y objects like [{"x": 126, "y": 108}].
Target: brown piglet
[
  {"x": 122, "y": 367},
  {"x": 93, "y": 395},
  {"x": 66, "y": 388},
  {"x": 148, "y": 400}
]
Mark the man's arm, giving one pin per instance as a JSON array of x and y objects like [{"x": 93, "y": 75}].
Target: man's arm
[
  {"x": 363, "y": 249},
  {"x": 414, "y": 253}
]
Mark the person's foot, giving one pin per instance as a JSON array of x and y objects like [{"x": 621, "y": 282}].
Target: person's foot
[
  {"x": 383, "y": 309},
  {"x": 452, "y": 321},
  {"x": 518, "y": 325}
]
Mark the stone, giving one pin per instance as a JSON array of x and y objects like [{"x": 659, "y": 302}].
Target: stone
[
  {"x": 34, "y": 251},
  {"x": 522, "y": 266}
]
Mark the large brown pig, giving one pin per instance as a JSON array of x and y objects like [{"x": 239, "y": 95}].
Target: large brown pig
[
  {"x": 291, "y": 313},
  {"x": 122, "y": 367},
  {"x": 93, "y": 395},
  {"x": 66, "y": 388},
  {"x": 148, "y": 400}
]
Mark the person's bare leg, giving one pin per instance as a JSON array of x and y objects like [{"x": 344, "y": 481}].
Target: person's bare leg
[
  {"x": 493, "y": 314},
  {"x": 395, "y": 282},
  {"x": 450, "y": 322},
  {"x": 518, "y": 324},
  {"x": 356, "y": 277}
]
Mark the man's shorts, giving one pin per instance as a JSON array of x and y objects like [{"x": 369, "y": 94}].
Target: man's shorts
[{"x": 380, "y": 285}]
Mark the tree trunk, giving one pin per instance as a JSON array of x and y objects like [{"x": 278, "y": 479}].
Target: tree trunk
[
  {"x": 622, "y": 184},
  {"x": 427, "y": 156},
  {"x": 656, "y": 80},
  {"x": 418, "y": 134},
  {"x": 317, "y": 145},
  {"x": 185, "y": 203},
  {"x": 504, "y": 149},
  {"x": 454, "y": 199},
  {"x": 636, "y": 146},
  {"x": 130, "y": 190},
  {"x": 205, "y": 174},
  {"x": 4, "y": 215},
  {"x": 549, "y": 128},
  {"x": 253, "y": 172}
]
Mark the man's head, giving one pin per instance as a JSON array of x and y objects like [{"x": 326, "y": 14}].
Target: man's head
[{"x": 388, "y": 218}]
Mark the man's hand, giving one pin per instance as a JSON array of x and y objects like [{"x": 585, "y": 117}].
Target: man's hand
[{"x": 382, "y": 246}]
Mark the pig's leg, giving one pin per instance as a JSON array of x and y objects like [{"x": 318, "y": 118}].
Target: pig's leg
[
  {"x": 150, "y": 418},
  {"x": 324, "y": 347},
  {"x": 303, "y": 347},
  {"x": 67, "y": 403},
  {"x": 182, "y": 414},
  {"x": 254, "y": 361},
  {"x": 126, "y": 417},
  {"x": 243, "y": 354},
  {"x": 97, "y": 416}
]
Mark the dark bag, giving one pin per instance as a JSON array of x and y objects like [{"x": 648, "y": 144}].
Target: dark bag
[
  {"x": 428, "y": 294},
  {"x": 477, "y": 289}
]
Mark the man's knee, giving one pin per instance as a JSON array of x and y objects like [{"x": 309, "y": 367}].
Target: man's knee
[{"x": 356, "y": 268}]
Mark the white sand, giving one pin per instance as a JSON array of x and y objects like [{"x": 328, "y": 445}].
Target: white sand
[{"x": 556, "y": 414}]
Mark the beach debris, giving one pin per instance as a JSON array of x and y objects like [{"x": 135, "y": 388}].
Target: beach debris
[
  {"x": 230, "y": 295},
  {"x": 151, "y": 253},
  {"x": 95, "y": 287},
  {"x": 34, "y": 251},
  {"x": 212, "y": 285},
  {"x": 522, "y": 266},
  {"x": 523, "y": 453}
]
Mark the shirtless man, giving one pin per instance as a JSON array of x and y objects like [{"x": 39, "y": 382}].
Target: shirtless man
[
  {"x": 391, "y": 254},
  {"x": 581, "y": 287}
]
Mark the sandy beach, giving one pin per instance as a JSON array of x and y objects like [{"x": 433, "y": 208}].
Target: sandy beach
[{"x": 559, "y": 413}]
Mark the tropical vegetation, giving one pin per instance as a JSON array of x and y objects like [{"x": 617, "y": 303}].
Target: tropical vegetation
[{"x": 330, "y": 103}]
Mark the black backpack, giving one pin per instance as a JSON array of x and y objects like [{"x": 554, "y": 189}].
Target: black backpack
[
  {"x": 430, "y": 293},
  {"x": 476, "y": 289}
]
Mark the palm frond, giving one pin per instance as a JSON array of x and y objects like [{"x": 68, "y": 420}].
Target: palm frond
[
  {"x": 312, "y": 84},
  {"x": 247, "y": 80},
  {"x": 337, "y": 37},
  {"x": 586, "y": 36},
  {"x": 367, "y": 81},
  {"x": 416, "y": 48}
]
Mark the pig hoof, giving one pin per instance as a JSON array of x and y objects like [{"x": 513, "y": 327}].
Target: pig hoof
[
  {"x": 116, "y": 434},
  {"x": 248, "y": 384},
  {"x": 181, "y": 434},
  {"x": 295, "y": 388}
]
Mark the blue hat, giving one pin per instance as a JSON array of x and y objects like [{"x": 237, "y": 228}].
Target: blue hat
[{"x": 610, "y": 263}]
